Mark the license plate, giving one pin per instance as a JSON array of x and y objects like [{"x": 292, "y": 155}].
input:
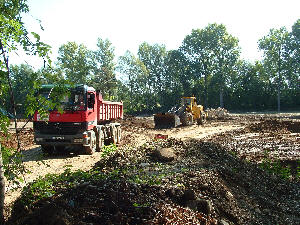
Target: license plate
[{"x": 58, "y": 138}]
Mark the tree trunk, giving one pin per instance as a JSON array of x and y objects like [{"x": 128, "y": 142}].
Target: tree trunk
[
  {"x": 279, "y": 83},
  {"x": 2, "y": 189},
  {"x": 205, "y": 91},
  {"x": 278, "y": 99},
  {"x": 221, "y": 98}
]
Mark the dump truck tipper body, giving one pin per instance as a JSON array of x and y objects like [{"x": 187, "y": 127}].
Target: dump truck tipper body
[{"x": 87, "y": 121}]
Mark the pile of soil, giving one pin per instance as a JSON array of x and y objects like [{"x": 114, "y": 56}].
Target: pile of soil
[
  {"x": 216, "y": 180},
  {"x": 204, "y": 184},
  {"x": 275, "y": 126},
  {"x": 278, "y": 140},
  {"x": 10, "y": 140}
]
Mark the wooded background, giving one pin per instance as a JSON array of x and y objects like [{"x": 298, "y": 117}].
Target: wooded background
[{"x": 207, "y": 65}]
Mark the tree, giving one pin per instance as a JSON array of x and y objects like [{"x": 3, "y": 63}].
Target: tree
[
  {"x": 294, "y": 48},
  {"x": 178, "y": 82},
  {"x": 75, "y": 62},
  {"x": 250, "y": 87},
  {"x": 212, "y": 53},
  {"x": 134, "y": 75},
  {"x": 13, "y": 36},
  {"x": 294, "y": 77},
  {"x": 198, "y": 51},
  {"x": 226, "y": 54},
  {"x": 103, "y": 68},
  {"x": 23, "y": 78},
  {"x": 275, "y": 48},
  {"x": 154, "y": 58}
]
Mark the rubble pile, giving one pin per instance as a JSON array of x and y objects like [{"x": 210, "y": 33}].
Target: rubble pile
[{"x": 219, "y": 113}]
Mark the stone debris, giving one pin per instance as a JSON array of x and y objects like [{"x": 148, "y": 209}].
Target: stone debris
[{"x": 218, "y": 113}]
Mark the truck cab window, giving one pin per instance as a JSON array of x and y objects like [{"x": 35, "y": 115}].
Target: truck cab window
[
  {"x": 79, "y": 101},
  {"x": 91, "y": 100}
]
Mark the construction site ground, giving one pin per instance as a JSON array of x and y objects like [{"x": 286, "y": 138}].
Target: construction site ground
[{"x": 223, "y": 172}]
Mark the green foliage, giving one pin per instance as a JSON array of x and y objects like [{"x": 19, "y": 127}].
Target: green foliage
[
  {"x": 12, "y": 164},
  {"x": 274, "y": 167},
  {"x": 276, "y": 57},
  {"x": 212, "y": 54},
  {"x": 75, "y": 62},
  {"x": 52, "y": 184},
  {"x": 208, "y": 66},
  {"x": 4, "y": 123},
  {"x": 103, "y": 69},
  {"x": 108, "y": 150}
]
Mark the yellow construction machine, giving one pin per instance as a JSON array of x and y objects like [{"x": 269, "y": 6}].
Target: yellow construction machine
[{"x": 186, "y": 114}]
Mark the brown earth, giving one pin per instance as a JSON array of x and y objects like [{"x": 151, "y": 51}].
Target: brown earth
[{"x": 216, "y": 162}]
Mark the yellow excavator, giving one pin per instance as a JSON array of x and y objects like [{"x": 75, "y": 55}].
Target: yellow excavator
[{"x": 186, "y": 114}]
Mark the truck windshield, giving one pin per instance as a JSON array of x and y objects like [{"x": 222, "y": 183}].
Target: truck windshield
[{"x": 75, "y": 100}]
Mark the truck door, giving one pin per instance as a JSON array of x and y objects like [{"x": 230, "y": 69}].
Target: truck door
[{"x": 91, "y": 110}]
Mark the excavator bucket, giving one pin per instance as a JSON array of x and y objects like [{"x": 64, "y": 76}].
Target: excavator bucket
[{"x": 166, "y": 120}]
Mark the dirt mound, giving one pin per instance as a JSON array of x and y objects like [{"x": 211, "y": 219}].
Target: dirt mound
[
  {"x": 135, "y": 189},
  {"x": 131, "y": 122},
  {"x": 112, "y": 201},
  {"x": 10, "y": 140},
  {"x": 275, "y": 126}
]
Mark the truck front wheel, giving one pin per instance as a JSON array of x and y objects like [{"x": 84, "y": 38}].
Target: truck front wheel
[
  {"x": 100, "y": 140},
  {"x": 92, "y": 147},
  {"x": 187, "y": 119},
  {"x": 47, "y": 149}
]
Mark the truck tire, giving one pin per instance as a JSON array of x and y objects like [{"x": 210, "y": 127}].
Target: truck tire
[
  {"x": 47, "y": 149},
  {"x": 202, "y": 119},
  {"x": 119, "y": 134},
  {"x": 187, "y": 119},
  {"x": 92, "y": 147},
  {"x": 100, "y": 140},
  {"x": 114, "y": 135}
]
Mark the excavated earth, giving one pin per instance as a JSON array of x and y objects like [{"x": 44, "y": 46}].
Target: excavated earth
[{"x": 218, "y": 174}]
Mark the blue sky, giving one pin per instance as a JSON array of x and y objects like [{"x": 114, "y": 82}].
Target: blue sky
[{"x": 128, "y": 23}]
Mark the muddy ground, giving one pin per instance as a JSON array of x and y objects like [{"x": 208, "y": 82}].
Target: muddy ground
[{"x": 214, "y": 178}]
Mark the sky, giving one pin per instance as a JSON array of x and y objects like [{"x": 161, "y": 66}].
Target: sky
[{"x": 128, "y": 23}]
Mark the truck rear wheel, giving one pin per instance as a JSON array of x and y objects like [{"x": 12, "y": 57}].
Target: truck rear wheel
[
  {"x": 119, "y": 134},
  {"x": 114, "y": 135}
]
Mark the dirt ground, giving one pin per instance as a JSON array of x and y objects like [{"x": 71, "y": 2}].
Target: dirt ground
[
  {"x": 249, "y": 137},
  {"x": 136, "y": 131}
]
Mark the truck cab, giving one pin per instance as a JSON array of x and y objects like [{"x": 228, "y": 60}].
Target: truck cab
[{"x": 86, "y": 121}]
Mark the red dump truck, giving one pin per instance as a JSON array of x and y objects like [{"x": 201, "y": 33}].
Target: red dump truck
[{"x": 87, "y": 122}]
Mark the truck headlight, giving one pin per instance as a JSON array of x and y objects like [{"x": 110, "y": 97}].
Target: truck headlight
[{"x": 77, "y": 140}]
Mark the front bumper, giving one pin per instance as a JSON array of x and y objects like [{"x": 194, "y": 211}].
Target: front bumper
[{"x": 46, "y": 139}]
